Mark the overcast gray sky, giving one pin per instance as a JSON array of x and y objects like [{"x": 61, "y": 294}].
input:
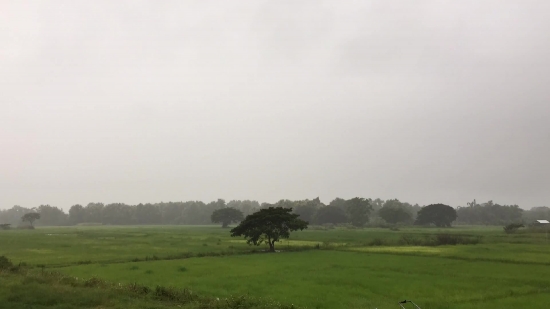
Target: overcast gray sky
[{"x": 149, "y": 101}]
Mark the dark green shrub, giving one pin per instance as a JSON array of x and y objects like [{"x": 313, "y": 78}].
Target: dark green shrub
[
  {"x": 376, "y": 242},
  {"x": 138, "y": 288},
  {"x": 453, "y": 240},
  {"x": 5, "y": 263},
  {"x": 172, "y": 294},
  {"x": 165, "y": 293},
  {"x": 95, "y": 282},
  {"x": 439, "y": 240},
  {"x": 512, "y": 228},
  {"x": 68, "y": 280},
  {"x": 411, "y": 240}
]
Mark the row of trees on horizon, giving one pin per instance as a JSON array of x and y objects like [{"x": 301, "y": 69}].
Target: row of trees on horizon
[{"x": 356, "y": 211}]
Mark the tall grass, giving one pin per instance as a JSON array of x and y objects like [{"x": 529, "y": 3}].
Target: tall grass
[{"x": 54, "y": 290}]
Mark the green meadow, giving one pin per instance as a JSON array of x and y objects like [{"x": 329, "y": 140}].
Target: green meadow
[{"x": 316, "y": 268}]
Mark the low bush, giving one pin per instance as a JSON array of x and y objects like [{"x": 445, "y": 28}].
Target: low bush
[
  {"x": 453, "y": 240},
  {"x": 442, "y": 239},
  {"x": 411, "y": 240},
  {"x": 5, "y": 263},
  {"x": 84, "y": 262},
  {"x": 512, "y": 228},
  {"x": 376, "y": 242},
  {"x": 95, "y": 282},
  {"x": 138, "y": 289},
  {"x": 173, "y": 294}
]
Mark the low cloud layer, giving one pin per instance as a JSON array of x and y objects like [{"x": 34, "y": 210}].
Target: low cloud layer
[{"x": 147, "y": 101}]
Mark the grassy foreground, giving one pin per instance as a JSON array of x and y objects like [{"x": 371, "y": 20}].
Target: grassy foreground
[
  {"x": 53, "y": 290},
  {"x": 343, "y": 268},
  {"x": 331, "y": 279}
]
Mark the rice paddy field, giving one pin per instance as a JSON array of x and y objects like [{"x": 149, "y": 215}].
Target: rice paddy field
[{"x": 87, "y": 267}]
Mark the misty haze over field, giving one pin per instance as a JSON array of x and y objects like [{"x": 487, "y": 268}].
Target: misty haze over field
[{"x": 147, "y": 101}]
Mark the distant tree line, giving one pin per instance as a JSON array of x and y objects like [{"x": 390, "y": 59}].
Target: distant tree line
[
  {"x": 490, "y": 213},
  {"x": 356, "y": 211}
]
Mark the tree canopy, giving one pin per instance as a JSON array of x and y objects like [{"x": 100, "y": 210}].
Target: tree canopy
[
  {"x": 30, "y": 217},
  {"x": 310, "y": 210},
  {"x": 438, "y": 214},
  {"x": 306, "y": 208},
  {"x": 394, "y": 212},
  {"x": 491, "y": 213},
  {"x": 358, "y": 210},
  {"x": 331, "y": 214},
  {"x": 269, "y": 225},
  {"x": 226, "y": 216}
]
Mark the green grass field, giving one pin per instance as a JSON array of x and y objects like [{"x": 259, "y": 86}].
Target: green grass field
[{"x": 317, "y": 268}]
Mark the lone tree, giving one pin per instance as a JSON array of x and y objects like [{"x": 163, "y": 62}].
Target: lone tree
[
  {"x": 226, "y": 216},
  {"x": 438, "y": 214},
  {"x": 269, "y": 225},
  {"x": 30, "y": 217}
]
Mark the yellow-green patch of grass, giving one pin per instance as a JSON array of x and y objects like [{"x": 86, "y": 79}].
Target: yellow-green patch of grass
[{"x": 501, "y": 253}]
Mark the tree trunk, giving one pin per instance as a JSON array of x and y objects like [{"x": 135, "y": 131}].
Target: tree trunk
[
  {"x": 271, "y": 246},
  {"x": 225, "y": 224}
]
